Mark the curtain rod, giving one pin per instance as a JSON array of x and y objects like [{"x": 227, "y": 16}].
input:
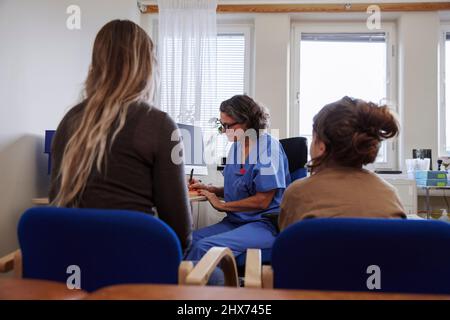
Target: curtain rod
[{"x": 291, "y": 8}]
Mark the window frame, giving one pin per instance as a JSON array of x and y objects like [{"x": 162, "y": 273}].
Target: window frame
[
  {"x": 442, "y": 138},
  {"x": 389, "y": 29}
]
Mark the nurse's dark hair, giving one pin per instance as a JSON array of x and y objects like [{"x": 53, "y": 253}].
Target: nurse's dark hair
[
  {"x": 352, "y": 131},
  {"x": 244, "y": 109}
]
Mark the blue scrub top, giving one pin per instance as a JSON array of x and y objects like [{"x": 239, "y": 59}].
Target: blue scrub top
[{"x": 266, "y": 168}]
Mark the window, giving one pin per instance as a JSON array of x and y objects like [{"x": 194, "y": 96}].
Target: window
[
  {"x": 233, "y": 77},
  {"x": 233, "y": 73},
  {"x": 445, "y": 93},
  {"x": 331, "y": 63}
]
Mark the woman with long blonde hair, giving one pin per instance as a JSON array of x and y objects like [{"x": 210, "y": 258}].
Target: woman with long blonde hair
[{"x": 113, "y": 150}]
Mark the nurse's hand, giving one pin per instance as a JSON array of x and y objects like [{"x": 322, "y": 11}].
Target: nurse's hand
[
  {"x": 195, "y": 184},
  {"x": 213, "y": 199}
]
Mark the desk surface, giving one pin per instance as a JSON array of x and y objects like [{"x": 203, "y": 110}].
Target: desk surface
[
  {"x": 40, "y": 201},
  {"x": 25, "y": 289},
  {"x": 172, "y": 292},
  {"x": 193, "y": 197},
  {"x": 433, "y": 187}
]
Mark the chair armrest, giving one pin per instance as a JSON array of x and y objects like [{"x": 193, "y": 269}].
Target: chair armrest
[
  {"x": 183, "y": 271},
  {"x": 9, "y": 262},
  {"x": 253, "y": 271},
  {"x": 214, "y": 257},
  {"x": 267, "y": 277}
]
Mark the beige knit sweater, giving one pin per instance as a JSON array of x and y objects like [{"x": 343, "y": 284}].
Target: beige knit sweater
[{"x": 340, "y": 192}]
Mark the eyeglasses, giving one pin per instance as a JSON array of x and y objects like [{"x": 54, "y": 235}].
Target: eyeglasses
[{"x": 222, "y": 127}]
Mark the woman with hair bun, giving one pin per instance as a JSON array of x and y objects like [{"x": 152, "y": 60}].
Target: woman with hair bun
[{"x": 346, "y": 136}]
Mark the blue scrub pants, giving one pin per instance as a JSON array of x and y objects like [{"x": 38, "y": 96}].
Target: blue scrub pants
[{"x": 238, "y": 236}]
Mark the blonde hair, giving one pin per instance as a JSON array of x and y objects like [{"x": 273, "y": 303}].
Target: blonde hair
[{"x": 122, "y": 73}]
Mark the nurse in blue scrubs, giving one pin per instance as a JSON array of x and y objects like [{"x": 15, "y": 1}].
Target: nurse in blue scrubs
[{"x": 255, "y": 177}]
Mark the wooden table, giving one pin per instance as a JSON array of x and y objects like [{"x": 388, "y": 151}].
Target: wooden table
[
  {"x": 195, "y": 197},
  {"x": 26, "y": 289},
  {"x": 40, "y": 201},
  {"x": 172, "y": 292}
]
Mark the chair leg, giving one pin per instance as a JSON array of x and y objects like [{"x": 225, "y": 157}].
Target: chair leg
[
  {"x": 183, "y": 271},
  {"x": 267, "y": 277},
  {"x": 12, "y": 261},
  {"x": 253, "y": 273},
  {"x": 18, "y": 267}
]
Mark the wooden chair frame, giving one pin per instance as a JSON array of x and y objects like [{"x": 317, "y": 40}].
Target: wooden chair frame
[{"x": 256, "y": 274}]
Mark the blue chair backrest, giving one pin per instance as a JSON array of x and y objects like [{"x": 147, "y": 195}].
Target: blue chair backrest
[
  {"x": 335, "y": 253},
  {"x": 296, "y": 150},
  {"x": 48, "y": 147},
  {"x": 109, "y": 246},
  {"x": 299, "y": 174}
]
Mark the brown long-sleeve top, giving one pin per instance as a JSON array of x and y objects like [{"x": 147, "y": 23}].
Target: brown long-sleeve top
[
  {"x": 139, "y": 173},
  {"x": 340, "y": 192}
]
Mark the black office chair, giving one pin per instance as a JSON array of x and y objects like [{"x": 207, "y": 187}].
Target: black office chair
[{"x": 296, "y": 150}]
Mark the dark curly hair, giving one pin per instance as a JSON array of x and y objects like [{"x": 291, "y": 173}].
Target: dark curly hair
[
  {"x": 352, "y": 130},
  {"x": 245, "y": 110}
]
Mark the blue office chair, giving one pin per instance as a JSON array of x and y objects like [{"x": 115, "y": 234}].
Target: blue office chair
[
  {"x": 296, "y": 150},
  {"x": 48, "y": 147},
  {"x": 110, "y": 247},
  {"x": 336, "y": 253}
]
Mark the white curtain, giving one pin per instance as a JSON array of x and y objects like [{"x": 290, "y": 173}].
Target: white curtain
[{"x": 187, "y": 49}]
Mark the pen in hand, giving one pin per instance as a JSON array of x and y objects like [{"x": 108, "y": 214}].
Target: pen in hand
[
  {"x": 192, "y": 181},
  {"x": 191, "y": 175}
]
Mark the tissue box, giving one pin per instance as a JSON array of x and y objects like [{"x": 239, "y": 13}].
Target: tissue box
[
  {"x": 434, "y": 175},
  {"x": 431, "y": 182}
]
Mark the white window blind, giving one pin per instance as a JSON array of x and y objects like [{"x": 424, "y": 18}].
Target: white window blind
[
  {"x": 230, "y": 76},
  {"x": 231, "y": 53}
]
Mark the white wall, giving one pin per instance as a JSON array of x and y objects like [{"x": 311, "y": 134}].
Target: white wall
[
  {"x": 42, "y": 68},
  {"x": 418, "y": 35},
  {"x": 271, "y": 58}
]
